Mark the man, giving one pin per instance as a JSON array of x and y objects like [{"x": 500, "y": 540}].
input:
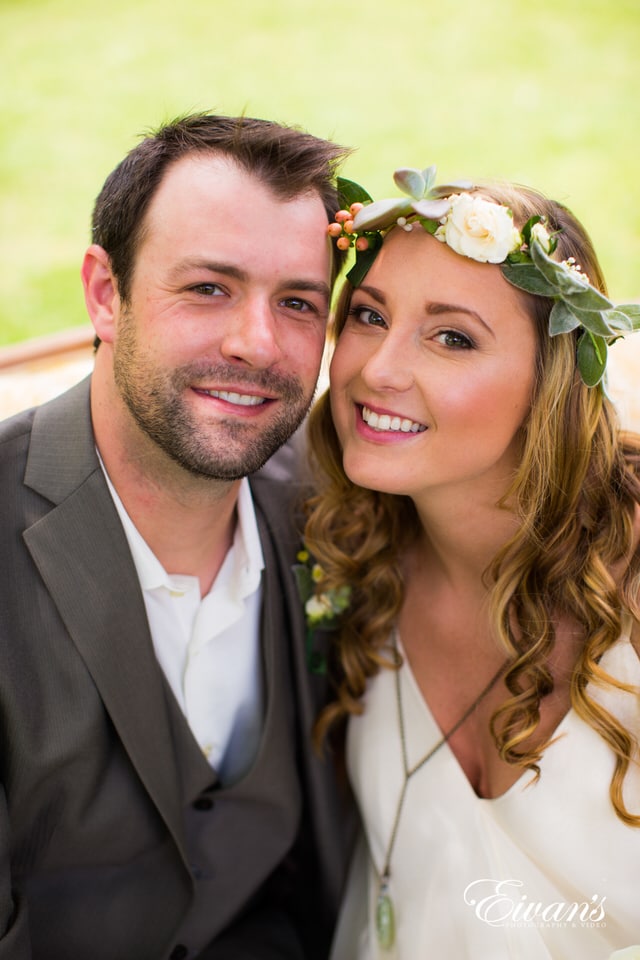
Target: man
[{"x": 160, "y": 798}]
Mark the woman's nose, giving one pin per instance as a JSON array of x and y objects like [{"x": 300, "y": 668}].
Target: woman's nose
[{"x": 390, "y": 366}]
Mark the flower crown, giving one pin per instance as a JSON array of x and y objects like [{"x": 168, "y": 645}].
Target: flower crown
[{"x": 483, "y": 230}]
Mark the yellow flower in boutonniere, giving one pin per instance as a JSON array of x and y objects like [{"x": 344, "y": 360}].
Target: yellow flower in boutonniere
[{"x": 322, "y": 607}]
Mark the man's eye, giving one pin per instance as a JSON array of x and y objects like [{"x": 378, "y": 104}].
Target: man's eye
[
  {"x": 208, "y": 289},
  {"x": 299, "y": 305}
]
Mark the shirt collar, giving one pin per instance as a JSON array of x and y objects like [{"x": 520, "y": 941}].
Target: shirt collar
[{"x": 243, "y": 564}]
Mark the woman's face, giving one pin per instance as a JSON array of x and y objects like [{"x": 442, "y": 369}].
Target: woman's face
[{"x": 433, "y": 372}]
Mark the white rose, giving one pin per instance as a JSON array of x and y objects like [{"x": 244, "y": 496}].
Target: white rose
[
  {"x": 317, "y": 608},
  {"x": 629, "y": 953},
  {"x": 540, "y": 233},
  {"x": 479, "y": 229}
]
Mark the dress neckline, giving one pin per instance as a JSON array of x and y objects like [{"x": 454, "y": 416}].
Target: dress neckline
[{"x": 560, "y": 730}]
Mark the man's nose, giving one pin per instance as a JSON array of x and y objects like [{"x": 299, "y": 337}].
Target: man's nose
[{"x": 252, "y": 337}]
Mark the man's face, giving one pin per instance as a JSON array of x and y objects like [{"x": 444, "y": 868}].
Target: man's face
[{"x": 217, "y": 352}]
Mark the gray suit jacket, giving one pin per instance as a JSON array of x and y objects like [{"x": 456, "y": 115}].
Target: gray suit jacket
[{"x": 116, "y": 841}]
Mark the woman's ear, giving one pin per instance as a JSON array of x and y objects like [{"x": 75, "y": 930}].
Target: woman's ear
[{"x": 100, "y": 292}]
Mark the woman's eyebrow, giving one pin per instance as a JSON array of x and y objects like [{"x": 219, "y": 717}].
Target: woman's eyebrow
[
  {"x": 435, "y": 309},
  {"x": 373, "y": 292},
  {"x": 432, "y": 309}
]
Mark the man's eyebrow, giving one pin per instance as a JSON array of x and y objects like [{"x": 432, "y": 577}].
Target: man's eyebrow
[
  {"x": 211, "y": 266},
  {"x": 311, "y": 286},
  {"x": 237, "y": 273}
]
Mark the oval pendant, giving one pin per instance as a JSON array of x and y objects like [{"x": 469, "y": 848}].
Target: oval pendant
[{"x": 385, "y": 919}]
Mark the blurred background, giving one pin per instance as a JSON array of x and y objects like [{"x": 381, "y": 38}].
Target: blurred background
[{"x": 543, "y": 92}]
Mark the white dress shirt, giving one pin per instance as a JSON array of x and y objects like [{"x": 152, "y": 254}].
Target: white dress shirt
[{"x": 209, "y": 647}]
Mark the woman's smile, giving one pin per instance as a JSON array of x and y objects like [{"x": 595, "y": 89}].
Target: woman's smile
[{"x": 432, "y": 375}]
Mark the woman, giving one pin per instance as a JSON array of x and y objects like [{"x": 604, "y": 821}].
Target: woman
[{"x": 484, "y": 509}]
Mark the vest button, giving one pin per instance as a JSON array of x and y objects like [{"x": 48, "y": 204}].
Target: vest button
[
  {"x": 203, "y": 803},
  {"x": 179, "y": 952}
]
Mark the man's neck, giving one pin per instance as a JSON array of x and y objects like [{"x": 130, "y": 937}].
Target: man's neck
[{"x": 188, "y": 521}]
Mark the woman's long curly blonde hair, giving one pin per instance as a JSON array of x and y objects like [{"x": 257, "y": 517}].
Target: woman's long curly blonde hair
[{"x": 576, "y": 492}]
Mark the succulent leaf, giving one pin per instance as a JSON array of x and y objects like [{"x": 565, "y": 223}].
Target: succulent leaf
[
  {"x": 446, "y": 189},
  {"x": 429, "y": 174},
  {"x": 431, "y": 209},
  {"x": 381, "y": 213},
  {"x": 410, "y": 181}
]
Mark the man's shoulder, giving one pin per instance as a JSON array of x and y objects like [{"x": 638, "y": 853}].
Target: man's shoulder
[
  {"x": 69, "y": 402},
  {"x": 16, "y": 426},
  {"x": 15, "y": 437},
  {"x": 53, "y": 438}
]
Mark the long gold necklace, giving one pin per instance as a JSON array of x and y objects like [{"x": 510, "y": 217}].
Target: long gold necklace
[{"x": 385, "y": 914}]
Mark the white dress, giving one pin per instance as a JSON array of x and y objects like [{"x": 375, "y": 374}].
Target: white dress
[{"x": 547, "y": 871}]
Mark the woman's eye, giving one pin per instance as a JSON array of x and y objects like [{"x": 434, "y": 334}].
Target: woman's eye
[
  {"x": 367, "y": 316},
  {"x": 455, "y": 340}
]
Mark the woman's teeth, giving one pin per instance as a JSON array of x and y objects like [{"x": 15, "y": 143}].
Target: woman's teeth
[{"x": 384, "y": 422}]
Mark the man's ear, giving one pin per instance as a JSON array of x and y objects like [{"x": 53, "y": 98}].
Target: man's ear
[{"x": 100, "y": 292}]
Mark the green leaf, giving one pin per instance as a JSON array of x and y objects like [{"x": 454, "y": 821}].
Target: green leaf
[
  {"x": 592, "y": 320},
  {"x": 364, "y": 260},
  {"x": 550, "y": 269},
  {"x": 619, "y": 321},
  {"x": 429, "y": 225},
  {"x": 351, "y": 192},
  {"x": 590, "y": 300},
  {"x": 526, "y": 230},
  {"x": 304, "y": 581},
  {"x": 562, "y": 319},
  {"x": 527, "y": 277},
  {"x": 410, "y": 181},
  {"x": 632, "y": 311},
  {"x": 592, "y": 358}
]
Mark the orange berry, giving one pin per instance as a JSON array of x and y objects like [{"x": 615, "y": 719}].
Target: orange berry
[
  {"x": 362, "y": 243},
  {"x": 334, "y": 230},
  {"x": 342, "y": 243},
  {"x": 343, "y": 215},
  {"x": 347, "y": 226},
  {"x": 355, "y": 208}
]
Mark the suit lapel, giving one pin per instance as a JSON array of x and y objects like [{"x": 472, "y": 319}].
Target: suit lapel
[
  {"x": 81, "y": 552},
  {"x": 329, "y": 806}
]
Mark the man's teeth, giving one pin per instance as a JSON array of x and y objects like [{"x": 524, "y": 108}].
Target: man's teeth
[
  {"x": 242, "y": 399},
  {"x": 382, "y": 421}
]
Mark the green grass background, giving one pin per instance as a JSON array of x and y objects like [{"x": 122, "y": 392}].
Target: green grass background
[{"x": 546, "y": 93}]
